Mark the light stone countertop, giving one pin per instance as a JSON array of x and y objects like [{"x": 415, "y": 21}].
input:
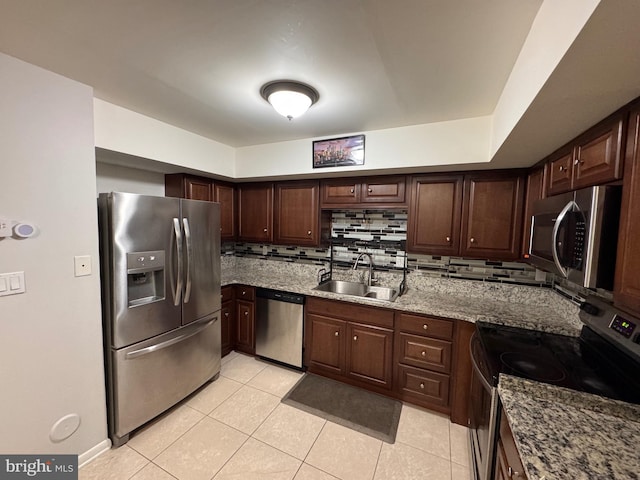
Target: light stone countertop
[
  {"x": 522, "y": 306},
  {"x": 563, "y": 434}
]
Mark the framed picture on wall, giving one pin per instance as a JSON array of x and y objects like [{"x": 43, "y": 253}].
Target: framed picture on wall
[{"x": 339, "y": 152}]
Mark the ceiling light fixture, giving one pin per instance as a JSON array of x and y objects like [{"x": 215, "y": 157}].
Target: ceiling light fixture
[{"x": 289, "y": 98}]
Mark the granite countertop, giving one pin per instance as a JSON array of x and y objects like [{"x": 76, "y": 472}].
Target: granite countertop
[
  {"x": 462, "y": 300},
  {"x": 562, "y": 434}
]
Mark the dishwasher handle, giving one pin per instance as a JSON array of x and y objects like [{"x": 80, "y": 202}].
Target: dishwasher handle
[{"x": 280, "y": 296}]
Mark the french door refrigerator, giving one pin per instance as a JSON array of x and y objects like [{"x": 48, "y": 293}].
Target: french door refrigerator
[{"x": 160, "y": 269}]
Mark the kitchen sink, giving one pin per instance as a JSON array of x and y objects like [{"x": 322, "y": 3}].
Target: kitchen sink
[{"x": 358, "y": 289}]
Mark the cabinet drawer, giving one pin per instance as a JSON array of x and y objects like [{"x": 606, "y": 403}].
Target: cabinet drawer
[
  {"x": 350, "y": 312},
  {"x": 421, "y": 325},
  {"x": 422, "y": 386},
  {"x": 384, "y": 190},
  {"x": 226, "y": 293},
  {"x": 424, "y": 352},
  {"x": 245, "y": 293}
]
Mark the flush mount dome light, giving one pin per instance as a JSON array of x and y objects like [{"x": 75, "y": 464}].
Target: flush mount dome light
[{"x": 289, "y": 98}]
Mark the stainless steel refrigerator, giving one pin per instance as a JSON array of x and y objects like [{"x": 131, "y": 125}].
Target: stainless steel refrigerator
[{"x": 160, "y": 270}]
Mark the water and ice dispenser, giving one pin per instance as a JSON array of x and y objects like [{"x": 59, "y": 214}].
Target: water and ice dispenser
[{"x": 145, "y": 277}]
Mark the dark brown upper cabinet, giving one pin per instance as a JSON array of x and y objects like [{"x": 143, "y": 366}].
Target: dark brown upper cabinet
[
  {"x": 536, "y": 187},
  {"x": 297, "y": 213},
  {"x": 188, "y": 186},
  {"x": 255, "y": 212},
  {"x": 435, "y": 213},
  {"x": 364, "y": 192},
  {"x": 593, "y": 158},
  {"x": 225, "y": 195},
  {"x": 492, "y": 216}
]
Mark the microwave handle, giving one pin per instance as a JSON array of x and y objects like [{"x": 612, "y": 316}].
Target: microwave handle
[{"x": 554, "y": 237}]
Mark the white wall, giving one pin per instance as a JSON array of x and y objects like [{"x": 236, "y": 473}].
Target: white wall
[
  {"x": 121, "y": 130},
  {"x": 445, "y": 143},
  {"x": 554, "y": 29},
  {"x": 51, "y": 362},
  {"x": 117, "y": 178}
]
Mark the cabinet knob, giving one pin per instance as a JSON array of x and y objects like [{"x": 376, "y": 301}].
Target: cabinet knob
[
  {"x": 561, "y": 168},
  {"x": 246, "y": 314},
  {"x": 351, "y": 190},
  {"x": 577, "y": 161},
  {"x": 423, "y": 353},
  {"x": 448, "y": 239},
  {"x": 422, "y": 386},
  {"x": 309, "y": 232},
  {"x": 264, "y": 230},
  {"x": 472, "y": 240},
  {"x": 355, "y": 338},
  {"x": 425, "y": 326},
  {"x": 226, "y": 314},
  {"x": 512, "y": 473},
  {"x": 244, "y": 292},
  {"x": 369, "y": 190},
  {"x": 337, "y": 334},
  {"x": 220, "y": 229}
]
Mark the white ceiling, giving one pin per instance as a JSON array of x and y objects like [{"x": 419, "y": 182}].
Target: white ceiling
[{"x": 199, "y": 64}]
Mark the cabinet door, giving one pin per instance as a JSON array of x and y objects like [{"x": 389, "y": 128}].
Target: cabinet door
[
  {"x": 535, "y": 191},
  {"x": 492, "y": 217},
  {"x": 598, "y": 155},
  {"x": 226, "y": 326},
  {"x": 188, "y": 186},
  {"x": 225, "y": 195},
  {"x": 369, "y": 354},
  {"x": 434, "y": 215},
  {"x": 626, "y": 293},
  {"x": 327, "y": 343},
  {"x": 340, "y": 192},
  {"x": 297, "y": 213},
  {"x": 508, "y": 464},
  {"x": 255, "y": 209},
  {"x": 560, "y": 170},
  {"x": 383, "y": 190},
  {"x": 245, "y": 314}
]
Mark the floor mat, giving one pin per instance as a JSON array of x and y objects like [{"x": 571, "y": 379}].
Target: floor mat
[{"x": 352, "y": 407}]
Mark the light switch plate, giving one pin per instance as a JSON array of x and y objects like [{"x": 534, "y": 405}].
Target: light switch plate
[
  {"x": 12, "y": 283},
  {"x": 82, "y": 265}
]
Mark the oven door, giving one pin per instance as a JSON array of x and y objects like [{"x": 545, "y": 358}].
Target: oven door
[{"x": 483, "y": 414}]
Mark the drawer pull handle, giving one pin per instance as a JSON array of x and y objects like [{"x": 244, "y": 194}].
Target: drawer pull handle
[
  {"x": 355, "y": 338},
  {"x": 351, "y": 190},
  {"x": 422, "y": 386},
  {"x": 512, "y": 473},
  {"x": 424, "y": 354},
  {"x": 337, "y": 334},
  {"x": 425, "y": 326},
  {"x": 369, "y": 190}
]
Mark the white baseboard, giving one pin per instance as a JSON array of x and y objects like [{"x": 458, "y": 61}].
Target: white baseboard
[{"x": 93, "y": 452}]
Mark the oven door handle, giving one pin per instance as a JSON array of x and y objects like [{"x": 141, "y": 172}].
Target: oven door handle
[
  {"x": 484, "y": 381},
  {"x": 554, "y": 237}
]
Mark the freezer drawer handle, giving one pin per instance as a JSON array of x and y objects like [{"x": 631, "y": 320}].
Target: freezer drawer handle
[
  {"x": 187, "y": 236},
  {"x": 168, "y": 343},
  {"x": 178, "y": 241}
]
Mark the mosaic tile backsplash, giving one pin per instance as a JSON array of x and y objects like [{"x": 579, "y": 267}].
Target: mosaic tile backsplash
[{"x": 383, "y": 235}]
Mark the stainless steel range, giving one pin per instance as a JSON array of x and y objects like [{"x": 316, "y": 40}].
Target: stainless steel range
[{"x": 604, "y": 360}]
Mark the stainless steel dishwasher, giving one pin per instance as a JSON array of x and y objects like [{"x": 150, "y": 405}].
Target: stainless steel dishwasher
[{"x": 279, "y": 322}]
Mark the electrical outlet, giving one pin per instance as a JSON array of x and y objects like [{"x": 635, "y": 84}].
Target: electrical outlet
[{"x": 82, "y": 265}]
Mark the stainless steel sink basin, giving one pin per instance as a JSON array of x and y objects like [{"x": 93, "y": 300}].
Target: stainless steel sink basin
[{"x": 358, "y": 289}]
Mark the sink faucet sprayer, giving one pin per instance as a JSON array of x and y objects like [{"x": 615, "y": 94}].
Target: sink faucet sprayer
[{"x": 370, "y": 280}]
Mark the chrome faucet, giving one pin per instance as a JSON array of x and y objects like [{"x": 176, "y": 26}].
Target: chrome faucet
[{"x": 370, "y": 280}]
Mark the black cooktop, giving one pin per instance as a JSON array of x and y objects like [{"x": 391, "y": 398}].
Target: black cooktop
[{"x": 587, "y": 363}]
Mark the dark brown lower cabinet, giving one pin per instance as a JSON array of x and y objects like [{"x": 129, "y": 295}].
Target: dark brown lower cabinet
[
  {"x": 508, "y": 464},
  {"x": 245, "y": 319},
  {"x": 359, "y": 353},
  {"x": 227, "y": 323}
]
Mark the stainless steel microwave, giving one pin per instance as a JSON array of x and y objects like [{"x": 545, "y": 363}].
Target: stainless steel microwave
[{"x": 575, "y": 235}]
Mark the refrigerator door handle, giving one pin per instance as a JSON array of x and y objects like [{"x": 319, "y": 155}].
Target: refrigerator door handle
[
  {"x": 168, "y": 343},
  {"x": 176, "y": 285},
  {"x": 187, "y": 236}
]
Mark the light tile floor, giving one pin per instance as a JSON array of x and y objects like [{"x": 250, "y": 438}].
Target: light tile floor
[{"x": 236, "y": 428}]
